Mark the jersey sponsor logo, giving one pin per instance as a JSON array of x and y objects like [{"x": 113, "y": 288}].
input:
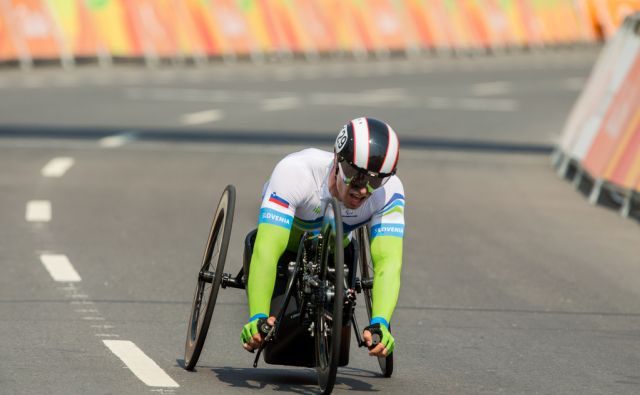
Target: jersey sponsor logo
[
  {"x": 274, "y": 198},
  {"x": 273, "y": 217},
  {"x": 396, "y": 230},
  {"x": 349, "y": 213}
]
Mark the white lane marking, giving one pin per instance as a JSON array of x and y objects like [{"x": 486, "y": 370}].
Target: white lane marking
[
  {"x": 488, "y": 104},
  {"x": 140, "y": 364},
  {"x": 491, "y": 88},
  {"x": 93, "y": 318},
  {"x": 370, "y": 98},
  {"x": 106, "y": 335},
  {"x": 471, "y": 104},
  {"x": 38, "y": 211},
  {"x": 438, "y": 103},
  {"x": 280, "y": 103},
  {"x": 158, "y": 146},
  {"x": 60, "y": 268},
  {"x": 57, "y": 167},
  {"x": 117, "y": 140},
  {"x": 198, "y": 118},
  {"x": 103, "y": 326}
]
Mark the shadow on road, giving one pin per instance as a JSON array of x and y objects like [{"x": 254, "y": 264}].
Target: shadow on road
[
  {"x": 293, "y": 379},
  {"x": 267, "y": 137}
]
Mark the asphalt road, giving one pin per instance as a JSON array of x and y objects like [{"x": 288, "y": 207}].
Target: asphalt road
[{"x": 512, "y": 283}]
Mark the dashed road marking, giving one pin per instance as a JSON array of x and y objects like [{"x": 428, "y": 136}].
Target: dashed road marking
[
  {"x": 488, "y": 104},
  {"x": 38, "y": 211},
  {"x": 471, "y": 104},
  {"x": 438, "y": 103},
  {"x": 117, "y": 140},
  {"x": 491, "y": 88},
  {"x": 103, "y": 326},
  {"x": 280, "y": 103},
  {"x": 60, "y": 268},
  {"x": 82, "y": 302},
  {"x": 93, "y": 311},
  {"x": 57, "y": 167},
  {"x": 198, "y": 118},
  {"x": 140, "y": 364}
]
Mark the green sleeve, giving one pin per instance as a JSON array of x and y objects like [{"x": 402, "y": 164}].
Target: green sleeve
[
  {"x": 386, "y": 252},
  {"x": 271, "y": 242}
]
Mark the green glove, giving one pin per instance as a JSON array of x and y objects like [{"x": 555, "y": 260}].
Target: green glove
[
  {"x": 384, "y": 336},
  {"x": 250, "y": 328}
]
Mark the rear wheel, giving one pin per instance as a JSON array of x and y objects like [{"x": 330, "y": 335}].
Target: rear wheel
[
  {"x": 366, "y": 271},
  {"x": 328, "y": 320},
  {"x": 209, "y": 277}
]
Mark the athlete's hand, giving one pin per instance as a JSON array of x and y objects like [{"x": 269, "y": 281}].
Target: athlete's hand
[
  {"x": 387, "y": 342},
  {"x": 251, "y": 337}
]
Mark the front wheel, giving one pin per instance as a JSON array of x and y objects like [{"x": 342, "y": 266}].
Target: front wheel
[
  {"x": 209, "y": 277},
  {"x": 328, "y": 320}
]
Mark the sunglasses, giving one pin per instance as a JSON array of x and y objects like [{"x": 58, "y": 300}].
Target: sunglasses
[{"x": 358, "y": 178}]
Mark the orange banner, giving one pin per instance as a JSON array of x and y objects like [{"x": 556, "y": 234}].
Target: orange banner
[
  {"x": 611, "y": 13},
  {"x": 151, "y": 26},
  {"x": 204, "y": 29},
  {"x": 78, "y": 33},
  {"x": 425, "y": 30},
  {"x": 234, "y": 28},
  {"x": 32, "y": 27},
  {"x": 281, "y": 27},
  {"x": 320, "y": 30},
  {"x": 199, "y": 28},
  {"x": 114, "y": 33},
  {"x": 385, "y": 25},
  {"x": 611, "y": 129},
  {"x": 621, "y": 131},
  {"x": 8, "y": 49}
]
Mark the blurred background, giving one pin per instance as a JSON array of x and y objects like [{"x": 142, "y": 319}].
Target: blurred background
[{"x": 121, "y": 122}]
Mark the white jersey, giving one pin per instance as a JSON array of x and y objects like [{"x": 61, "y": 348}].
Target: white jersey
[{"x": 296, "y": 193}]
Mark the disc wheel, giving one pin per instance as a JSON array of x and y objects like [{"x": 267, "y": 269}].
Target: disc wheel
[
  {"x": 366, "y": 271},
  {"x": 328, "y": 320},
  {"x": 209, "y": 277}
]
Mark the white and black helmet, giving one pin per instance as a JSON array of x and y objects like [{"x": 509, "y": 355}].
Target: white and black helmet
[{"x": 370, "y": 150}]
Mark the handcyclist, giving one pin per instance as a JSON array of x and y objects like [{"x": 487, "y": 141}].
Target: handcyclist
[{"x": 360, "y": 173}]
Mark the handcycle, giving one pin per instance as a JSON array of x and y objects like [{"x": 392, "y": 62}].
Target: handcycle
[{"x": 314, "y": 297}]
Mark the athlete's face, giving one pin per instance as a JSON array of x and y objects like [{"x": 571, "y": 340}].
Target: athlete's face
[{"x": 351, "y": 197}]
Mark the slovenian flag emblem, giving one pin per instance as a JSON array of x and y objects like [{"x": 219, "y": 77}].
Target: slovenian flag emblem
[{"x": 278, "y": 200}]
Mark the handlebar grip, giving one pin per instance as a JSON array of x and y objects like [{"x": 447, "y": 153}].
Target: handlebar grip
[
  {"x": 375, "y": 340},
  {"x": 263, "y": 327}
]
